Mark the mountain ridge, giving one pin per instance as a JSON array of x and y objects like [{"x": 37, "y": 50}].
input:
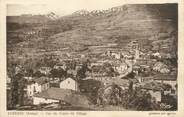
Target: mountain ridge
[{"x": 132, "y": 22}]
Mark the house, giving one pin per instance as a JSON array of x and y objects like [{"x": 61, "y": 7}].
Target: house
[
  {"x": 37, "y": 85},
  {"x": 156, "y": 54},
  {"x": 82, "y": 56},
  {"x": 156, "y": 95},
  {"x": 49, "y": 96},
  {"x": 79, "y": 66},
  {"x": 63, "y": 96},
  {"x": 58, "y": 66},
  {"x": 116, "y": 55},
  {"x": 45, "y": 70},
  {"x": 161, "y": 67},
  {"x": 136, "y": 69},
  {"x": 72, "y": 72},
  {"x": 144, "y": 79},
  {"x": 28, "y": 78},
  {"x": 132, "y": 44},
  {"x": 97, "y": 64},
  {"x": 167, "y": 79},
  {"x": 126, "y": 55},
  {"x": 18, "y": 69},
  {"x": 155, "y": 89},
  {"x": 69, "y": 83},
  {"x": 108, "y": 53},
  {"x": 144, "y": 63},
  {"x": 121, "y": 67}
]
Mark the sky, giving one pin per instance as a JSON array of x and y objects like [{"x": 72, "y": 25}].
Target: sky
[{"x": 61, "y": 8}]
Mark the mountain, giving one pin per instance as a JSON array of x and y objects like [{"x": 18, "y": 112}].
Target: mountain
[
  {"x": 27, "y": 18},
  {"x": 80, "y": 31}
]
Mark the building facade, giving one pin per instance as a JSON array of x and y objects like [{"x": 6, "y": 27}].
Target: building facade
[
  {"x": 69, "y": 83},
  {"x": 37, "y": 86}
]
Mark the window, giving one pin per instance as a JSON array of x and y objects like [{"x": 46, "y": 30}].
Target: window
[
  {"x": 68, "y": 82},
  {"x": 34, "y": 89},
  {"x": 172, "y": 91}
]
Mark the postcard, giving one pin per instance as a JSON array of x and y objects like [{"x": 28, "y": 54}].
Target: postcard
[{"x": 92, "y": 58}]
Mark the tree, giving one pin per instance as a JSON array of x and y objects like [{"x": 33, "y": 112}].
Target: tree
[
  {"x": 109, "y": 70},
  {"x": 14, "y": 92},
  {"x": 62, "y": 73},
  {"x": 58, "y": 73},
  {"x": 138, "y": 100},
  {"x": 81, "y": 72},
  {"x": 115, "y": 94},
  {"x": 110, "y": 95},
  {"x": 29, "y": 72},
  {"x": 130, "y": 86},
  {"x": 38, "y": 74},
  {"x": 17, "y": 90},
  {"x": 21, "y": 83},
  {"x": 54, "y": 73}
]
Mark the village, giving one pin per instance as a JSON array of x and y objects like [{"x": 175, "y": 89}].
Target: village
[
  {"x": 77, "y": 82},
  {"x": 117, "y": 59}
]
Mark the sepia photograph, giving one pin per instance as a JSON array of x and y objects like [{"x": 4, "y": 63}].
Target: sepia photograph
[{"x": 116, "y": 58}]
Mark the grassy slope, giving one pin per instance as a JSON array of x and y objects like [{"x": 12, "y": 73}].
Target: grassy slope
[{"x": 134, "y": 22}]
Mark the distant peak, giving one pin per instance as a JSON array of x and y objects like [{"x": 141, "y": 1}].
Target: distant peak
[
  {"x": 99, "y": 12},
  {"x": 52, "y": 16}
]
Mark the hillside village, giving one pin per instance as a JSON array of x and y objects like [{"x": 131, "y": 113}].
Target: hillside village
[{"x": 93, "y": 60}]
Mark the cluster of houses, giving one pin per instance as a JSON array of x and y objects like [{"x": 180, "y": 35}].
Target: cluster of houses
[
  {"x": 142, "y": 62},
  {"x": 41, "y": 91},
  {"x": 159, "y": 85}
]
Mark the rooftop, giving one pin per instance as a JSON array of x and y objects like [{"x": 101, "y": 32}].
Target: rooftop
[
  {"x": 41, "y": 80},
  {"x": 153, "y": 85},
  {"x": 165, "y": 77},
  {"x": 67, "y": 95}
]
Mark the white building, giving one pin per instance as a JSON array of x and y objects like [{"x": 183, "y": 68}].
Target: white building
[
  {"x": 69, "y": 83},
  {"x": 161, "y": 67},
  {"x": 58, "y": 66},
  {"x": 137, "y": 54},
  {"x": 28, "y": 78},
  {"x": 121, "y": 68},
  {"x": 36, "y": 86},
  {"x": 45, "y": 70},
  {"x": 154, "y": 92},
  {"x": 156, "y": 95},
  {"x": 156, "y": 54},
  {"x": 126, "y": 55}
]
